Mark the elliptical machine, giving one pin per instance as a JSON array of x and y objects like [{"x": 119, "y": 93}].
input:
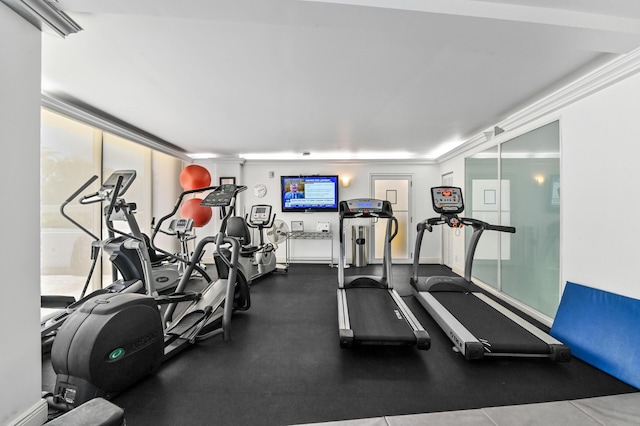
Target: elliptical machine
[
  {"x": 182, "y": 229},
  {"x": 129, "y": 274},
  {"x": 125, "y": 261},
  {"x": 114, "y": 340}
]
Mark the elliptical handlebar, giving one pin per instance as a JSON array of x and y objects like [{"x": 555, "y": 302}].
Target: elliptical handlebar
[
  {"x": 158, "y": 226},
  {"x": 71, "y": 198},
  {"x": 111, "y": 208},
  {"x": 82, "y": 188}
]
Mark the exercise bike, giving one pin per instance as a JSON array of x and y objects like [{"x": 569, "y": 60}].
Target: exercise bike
[
  {"x": 114, "y": 340},
  {"x": 255, "y": 260}
]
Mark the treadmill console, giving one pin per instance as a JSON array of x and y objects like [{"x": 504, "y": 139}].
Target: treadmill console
[
  {"x": 447, "y": 200},
  {"x": 365, "y": 207}
]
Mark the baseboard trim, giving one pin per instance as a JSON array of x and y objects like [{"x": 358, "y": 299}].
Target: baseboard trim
[{"x": 36, "y": 415}]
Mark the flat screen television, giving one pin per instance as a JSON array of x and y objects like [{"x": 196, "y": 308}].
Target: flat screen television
[{"x": 317, "y": 193}]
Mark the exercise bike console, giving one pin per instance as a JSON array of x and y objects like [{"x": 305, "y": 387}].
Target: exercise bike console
[{"x": 260, "y": 215}]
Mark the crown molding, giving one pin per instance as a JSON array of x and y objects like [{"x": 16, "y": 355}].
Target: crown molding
[
  {"x": 614, "y": 71},
  {"x": 355, "y": 162},
  {"x": 45, "y": 16},
  {"x": 112, "y": 125}
]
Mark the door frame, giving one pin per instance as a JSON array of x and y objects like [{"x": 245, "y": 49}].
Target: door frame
[{"x": 410, "y": 231}]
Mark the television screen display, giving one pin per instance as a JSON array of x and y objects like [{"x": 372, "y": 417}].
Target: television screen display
[{"x": 309, "y": 193}]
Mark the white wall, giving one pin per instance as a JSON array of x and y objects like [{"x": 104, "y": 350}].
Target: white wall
[
  {"x": 424, "y": 177},
  {"x": 456, "y": 166},
  {"x": 600, "y": 189},
  {"x": 252, "y": 172},
  {"x": 165, "y": 189},
  {"x": 20, "y": 369}
]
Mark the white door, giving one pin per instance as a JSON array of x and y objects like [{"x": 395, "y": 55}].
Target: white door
[{"x": 397, "y": 190}]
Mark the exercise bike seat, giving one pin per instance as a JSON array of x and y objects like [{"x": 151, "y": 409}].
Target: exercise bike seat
[{"x": 238, "y": 228}]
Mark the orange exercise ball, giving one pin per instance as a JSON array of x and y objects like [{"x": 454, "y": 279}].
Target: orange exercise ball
[
  {"x": 194, "y": 177},
  {"x": 191, "y": 209}
]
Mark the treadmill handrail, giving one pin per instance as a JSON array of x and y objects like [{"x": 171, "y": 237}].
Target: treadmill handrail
[
  {"x": 478, "y": 226},
  {"x": 394, "y": 220}
]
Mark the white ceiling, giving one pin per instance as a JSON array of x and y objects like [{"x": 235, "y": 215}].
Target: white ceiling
[{"x": 339, "y": 79}]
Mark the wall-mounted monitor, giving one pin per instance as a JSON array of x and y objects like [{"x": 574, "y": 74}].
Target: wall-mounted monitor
[{"x": 317, "y": 193}]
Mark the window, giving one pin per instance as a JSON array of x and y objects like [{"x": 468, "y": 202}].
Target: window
[
  {"x": 71, "y": 152},
  {"x": 524, "y": 265},
  {"x": 68, "y": 154}
]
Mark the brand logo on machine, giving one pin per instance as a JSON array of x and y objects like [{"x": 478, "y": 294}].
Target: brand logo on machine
[
  {"x": 398, "y": 314},
  {"x": 116, "y": 354},
  {"x": 162, "y": 279},
  {"x": 143, "y": 341}
]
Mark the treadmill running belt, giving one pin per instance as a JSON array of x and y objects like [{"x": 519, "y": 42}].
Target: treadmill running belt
[
  {"x": 498, "y": 333},
  {"x": 375, "y": 317}
]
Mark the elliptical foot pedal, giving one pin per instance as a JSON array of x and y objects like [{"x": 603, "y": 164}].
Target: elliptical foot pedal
[
  {"x": 188, "y": 322},
  {"x": 96, "y": 412}
]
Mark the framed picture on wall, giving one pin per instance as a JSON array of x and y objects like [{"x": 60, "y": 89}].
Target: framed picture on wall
[{"x": 227, "y": 180}]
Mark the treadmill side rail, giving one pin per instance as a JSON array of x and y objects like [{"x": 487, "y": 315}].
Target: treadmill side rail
[
  {"x": 558, "y": 351},
  {"x": 423, "y": 340},
  {"x": 463, "y": 340},
  {"x": 344, "y": 327},
  {"x": 518, "y": 320}
]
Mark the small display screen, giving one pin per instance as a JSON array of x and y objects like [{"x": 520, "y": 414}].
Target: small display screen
[{"x": 447, "y": 199}]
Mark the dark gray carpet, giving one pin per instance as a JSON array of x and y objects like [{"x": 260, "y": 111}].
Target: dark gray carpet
[{"x": 284, "y": 366}]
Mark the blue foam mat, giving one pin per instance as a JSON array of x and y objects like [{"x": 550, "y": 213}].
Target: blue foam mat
[{"x": 602, "y": 329}]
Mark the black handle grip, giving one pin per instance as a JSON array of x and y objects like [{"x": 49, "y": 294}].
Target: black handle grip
[
  {"x": 115, "y": 196},
  {"x": 82, "y": 188},
  {"x": 499, "y": 228}
]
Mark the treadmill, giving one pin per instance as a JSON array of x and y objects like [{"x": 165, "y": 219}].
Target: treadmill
[
  {"x": 370, "y": 311},
  {"x": 477, "y": 325}
]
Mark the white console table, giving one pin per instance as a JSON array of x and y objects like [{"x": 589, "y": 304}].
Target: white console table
[{"x": 302, "y": 235}]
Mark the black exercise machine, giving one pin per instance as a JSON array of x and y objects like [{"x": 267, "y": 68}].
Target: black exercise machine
[
  {"x": 370, "y": 311},
  {"x": 114, "y": 340},
  {"x": 477, "y": 325}
]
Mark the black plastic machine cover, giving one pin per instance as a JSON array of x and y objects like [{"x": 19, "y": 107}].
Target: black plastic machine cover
[{"x": 111, "y": 342}]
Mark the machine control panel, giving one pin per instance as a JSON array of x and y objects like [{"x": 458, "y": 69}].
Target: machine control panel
[
  {"x": 447, "y": 199},
  {"x": 128, "y": 176},
  {"x": 363, "y": 207},
  {"x": 222, "y": 195},
  {"x": 260, "y": 214},
  {"x": 182, "y": 225}
]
